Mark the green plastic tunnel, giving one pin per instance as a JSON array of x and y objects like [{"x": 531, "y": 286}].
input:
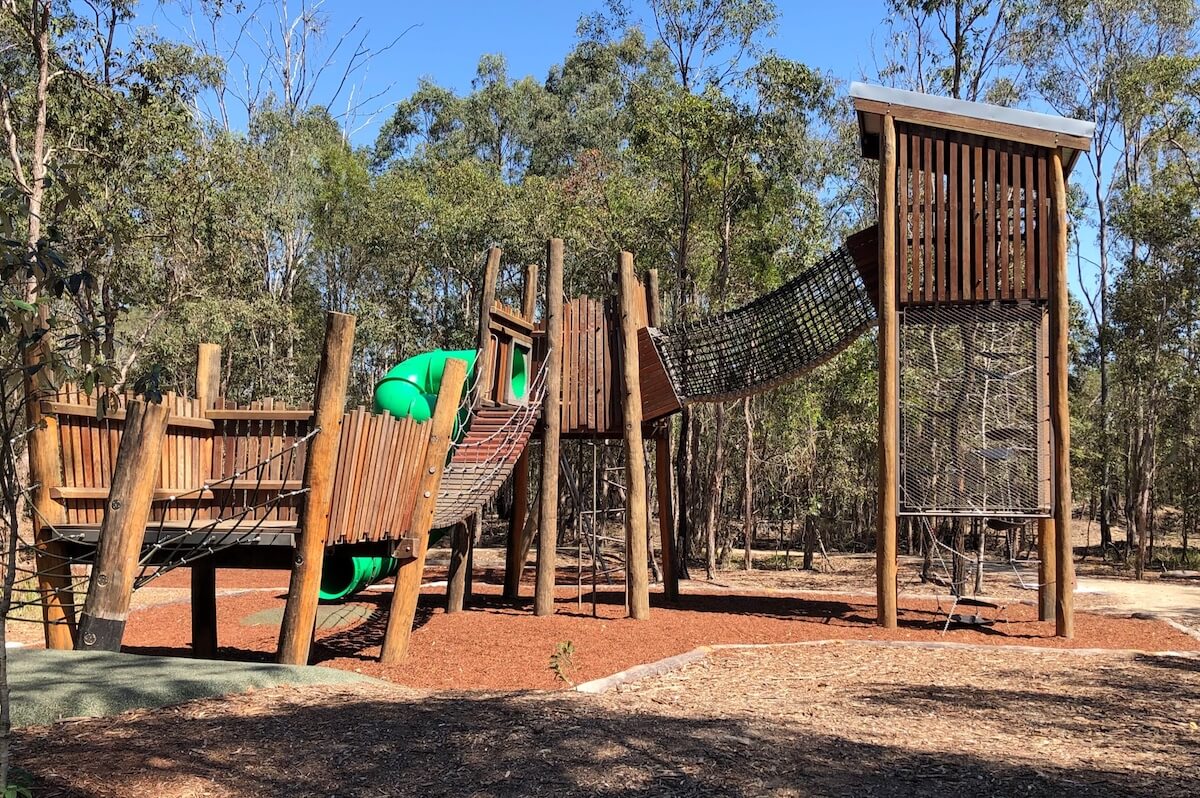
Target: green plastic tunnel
[{"x": 408, "y": 390}]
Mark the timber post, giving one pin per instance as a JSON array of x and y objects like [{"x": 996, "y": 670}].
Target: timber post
[
  {"x": 889, "y": 438},
  {"x": 662, "y": 463},
  {"x": 1047, "y": 576},
  {"x": 1060, "y": 411},
  {"x": 635, "y": 453},
  {"x": 456, "y": 579},
  {"x": 547, "y": 559},
  {"x": 515, "y": 549},
  {"x": 408, "y": 578},
  {"x": 50, "y": 556},
  {"x": 204, "y": 571},
  {"x": 333, "y": 376},
  {"x": 483, "y": 341},
  {"x": 123, "y": 529}
]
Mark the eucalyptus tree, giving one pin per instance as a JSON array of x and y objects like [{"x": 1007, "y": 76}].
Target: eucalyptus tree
[{"x": 1101, "y": 61}]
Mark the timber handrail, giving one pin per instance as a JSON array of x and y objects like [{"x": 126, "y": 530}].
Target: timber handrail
[{"x": 50, "y": 407}]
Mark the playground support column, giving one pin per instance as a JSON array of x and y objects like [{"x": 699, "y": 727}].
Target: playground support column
[
  {"x": 456, "y": 579},
  {"x": 1060, "y": 413},
  {"x": 408, "y": 578},
  {"x": 102, "y": 623},
  {"x": 54, "y": 578},
  {"x": 889, "y": 438},
  {"x": 204, "y": 571},
  {"x": 543, "y": 597},
  {"x": 514, "y": 555},
  {"x": 1047, "y": 553},
  {"x": 300, "y": 612},
  {"x": 635, "y": 453},
  {"x": 483, "y": 342},
  {"x": 662, "y": 463},
  {"x": 1046, "y": 569}
]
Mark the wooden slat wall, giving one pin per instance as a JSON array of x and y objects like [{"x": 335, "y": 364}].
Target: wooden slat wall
[
  {"x": 379, "y": 458},
  {"x": 378, "y": 469},
  {"x": 591, "y": 400},
  {"x": 970, "y": 218},
  {"x": 256, "y": 434},
  {"x": 88, "y": 448}
]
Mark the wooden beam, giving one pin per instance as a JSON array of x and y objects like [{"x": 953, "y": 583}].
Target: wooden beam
[
  {"x": 89, "y": 411},
  {"x": 889, "y": 428},
  {"x": 967, "y": 124},
  {"x": 204, "y": 571},
  {"x": 260, "y": 415},
  {"x": 483, "y": 341},
  {"x": 635, "y": 452},
  {"x": 547, "y": 560},
  {"x": 1060, "y": 411},
  {"x": 514, "y": 554},
  {"x": 102, "y": 623},
  {"x": 45, "y": 474},
  {"x": 408, "y": 578},
  {"x": 333, "y": 376},
  {"x": 662, "y": 462}
]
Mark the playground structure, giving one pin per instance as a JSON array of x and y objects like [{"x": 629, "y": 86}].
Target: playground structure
[{"x": 964, "y": 273}]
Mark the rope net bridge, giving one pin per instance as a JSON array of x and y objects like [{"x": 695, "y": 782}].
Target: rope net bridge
[
  {"x": 774, "y": 338},
  {"x": 484, "y": 459}
]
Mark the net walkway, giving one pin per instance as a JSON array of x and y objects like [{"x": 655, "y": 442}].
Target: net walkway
[
  {"x": 482, "y": 462},
  {"x": 771, "y": 340}
]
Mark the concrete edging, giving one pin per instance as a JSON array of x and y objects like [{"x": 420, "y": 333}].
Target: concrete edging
[{"x": 678, "y": 661}]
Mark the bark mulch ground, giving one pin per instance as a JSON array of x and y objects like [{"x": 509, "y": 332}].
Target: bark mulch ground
[
  {"x": 852, "y": 719},
  {"x": 499, "y": 645}
]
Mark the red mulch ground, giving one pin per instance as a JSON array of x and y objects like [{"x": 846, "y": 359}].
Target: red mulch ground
[{"x": 499, "y": 645}]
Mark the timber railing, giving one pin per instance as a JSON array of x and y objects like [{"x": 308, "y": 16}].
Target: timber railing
[{"x": 230, "y": 458}]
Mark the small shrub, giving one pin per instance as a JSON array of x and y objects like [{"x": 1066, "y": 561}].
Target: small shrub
[{"x": 562, "y": 662}]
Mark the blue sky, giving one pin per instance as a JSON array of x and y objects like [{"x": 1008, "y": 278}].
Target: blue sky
[{"x": 444, "y": 40}]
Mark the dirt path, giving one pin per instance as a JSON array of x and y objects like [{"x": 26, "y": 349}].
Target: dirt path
[
  {"x": 844, "y": 719},
  {"x": 1180, "y": 602}
]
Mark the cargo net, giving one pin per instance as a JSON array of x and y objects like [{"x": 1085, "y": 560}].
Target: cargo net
[
  {"x": 771, "y": 340},
  {"x": 972, "y": 424}
]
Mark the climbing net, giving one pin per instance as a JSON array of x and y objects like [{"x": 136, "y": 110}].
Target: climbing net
[
  {"x": 771, "y": 340},
  {"x": 971, "y": 411},
  {"x": 481, "y": 463},
  {"x": 207, "y": 530}
]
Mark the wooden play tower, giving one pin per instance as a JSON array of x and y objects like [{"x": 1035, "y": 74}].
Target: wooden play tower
[{"x": 973, "y": 226}]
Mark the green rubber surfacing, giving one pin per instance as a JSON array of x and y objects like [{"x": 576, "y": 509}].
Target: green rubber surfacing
[{"x": 48, "y": 686}]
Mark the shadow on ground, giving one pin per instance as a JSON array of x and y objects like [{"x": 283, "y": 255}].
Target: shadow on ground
[{"x": 360, "y": 744}]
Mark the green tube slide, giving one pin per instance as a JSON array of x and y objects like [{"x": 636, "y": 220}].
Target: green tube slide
[{"x": 408, "y": 390}]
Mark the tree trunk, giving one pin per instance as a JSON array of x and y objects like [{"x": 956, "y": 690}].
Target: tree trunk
[
  {"x": 810, "y": 541},
  {"x": 748, "y": 489},
  {"x": 713, "y": 499}
]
